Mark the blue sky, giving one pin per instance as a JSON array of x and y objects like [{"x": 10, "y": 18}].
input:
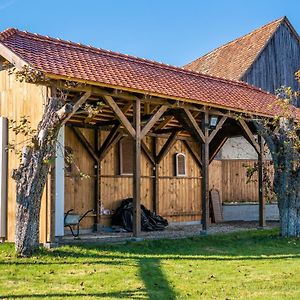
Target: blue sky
[{"x": 169, "y": 31}]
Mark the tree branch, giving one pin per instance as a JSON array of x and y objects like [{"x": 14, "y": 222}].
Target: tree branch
[{"x": 64, "y": 111}]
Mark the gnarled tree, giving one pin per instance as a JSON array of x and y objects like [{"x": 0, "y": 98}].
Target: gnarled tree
[
  {"x": 282, "y": 138},
  {"x": 32, "y": 174},
  {"x": 37, "y": 155}
]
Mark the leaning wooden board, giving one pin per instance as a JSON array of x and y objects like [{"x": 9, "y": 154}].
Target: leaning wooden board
[{"x": 216, "y": 205}]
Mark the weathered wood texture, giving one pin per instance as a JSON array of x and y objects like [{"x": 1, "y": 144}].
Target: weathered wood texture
[
  {"x": 17, "y": 100},
  {"x": 179, "y": 196},
  {"x": 216, "y": 176},
  {"x": 277, "y": 63},
  {"x": 115, "y": 187},
  {"x": 80, "y": 191},
  {"x": 234, "y": 178}
]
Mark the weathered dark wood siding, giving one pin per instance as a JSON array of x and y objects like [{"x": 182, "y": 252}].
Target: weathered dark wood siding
[{"x": 277, "y": 63}]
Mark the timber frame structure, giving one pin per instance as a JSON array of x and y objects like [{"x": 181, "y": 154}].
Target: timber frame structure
[
  {"x": 138, "y": 116},
  {"x": 145, "y": 100}
]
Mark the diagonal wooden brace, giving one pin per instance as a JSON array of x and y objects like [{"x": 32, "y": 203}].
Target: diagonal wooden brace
[{"x": 120, "y": 115}]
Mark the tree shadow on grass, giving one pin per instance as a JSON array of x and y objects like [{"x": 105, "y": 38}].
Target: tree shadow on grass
[
  {"x": 259, "y": 245},
  {"x": 262, "y": 244},
  {"x": 155, "y": 281},
  {"x": 147, "y": 257}
]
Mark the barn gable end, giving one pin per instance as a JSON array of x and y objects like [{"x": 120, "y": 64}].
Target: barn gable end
[{"x": 266, "y": 58}]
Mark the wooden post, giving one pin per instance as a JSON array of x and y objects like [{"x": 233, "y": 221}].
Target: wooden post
[
  {"x": 261, "y": 198},
  {"x": 205, "y": 172},
  {"x": 60, "y": 184},
  {"x": 97, "y": 180},
  {"x": 156, "y": 179},
  {"x": 52, "y": 204},
  {"x": 137, "y": 169},
  {"x": 3, "y": 177}
]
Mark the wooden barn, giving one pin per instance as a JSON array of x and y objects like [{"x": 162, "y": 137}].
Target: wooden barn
[
  {"x": 267, "y": 58},
  {"x": 154, "y": 139}
]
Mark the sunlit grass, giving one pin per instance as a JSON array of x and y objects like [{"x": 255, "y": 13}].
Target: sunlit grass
[{"x": 245, "y": 265}]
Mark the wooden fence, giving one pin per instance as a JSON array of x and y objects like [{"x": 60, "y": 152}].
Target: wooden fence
[{"x": 230, "y": 178}]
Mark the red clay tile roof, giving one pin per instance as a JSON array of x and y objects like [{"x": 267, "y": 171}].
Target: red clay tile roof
[
  {"x": 233, "y": 59},
  {"x": 67, "y": 59}
]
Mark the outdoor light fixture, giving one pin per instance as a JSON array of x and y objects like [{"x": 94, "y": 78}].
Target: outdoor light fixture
[{"x": 213, "y": 122}]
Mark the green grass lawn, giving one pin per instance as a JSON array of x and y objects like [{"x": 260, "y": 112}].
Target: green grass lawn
[{"x": 245, "y": 265}]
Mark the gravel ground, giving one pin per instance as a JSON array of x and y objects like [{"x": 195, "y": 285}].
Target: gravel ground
[{"x": 174, "y": 231}]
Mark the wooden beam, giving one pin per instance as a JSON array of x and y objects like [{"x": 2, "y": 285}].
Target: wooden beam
[
  {"x": 156, "y": 179},
  {"x": 261, "y": 198},
  {"x": 126, "y": 108},
  {"x": 157, "y": 99},
  {"x": 169, "y": 130},
  {"x": 109, "y": 139},
  {"x": 164, "y": 123},
  {"x": 153, "y": 107},
  {"x": 120, "y": 115},
  {"x": 97, "y": 179},
  {"x": 148, "y": 153},
  {"x": 249, "y": 135},
  {"x": 193, "y": 153},
  {"x": 122, "y": 94},
  {"x": 100, "y": 123},
  {"x": 13, "y": 58},
  {"x": 153, "y": 120},
  {"x": 205, "y": 172},
  {"x": 137, "y": 169},
  {"x": 85, "y": 143},
  {"x": 194, "y": 124},
  {"x": 146, "y": 108},
  {"x": 218, "y": 127},
  {"x": 215, "y": 147},
  {"x": 166, "y": 147},
  {"x": 113, "y": 142},
  {"x": 82, "y": 99}
]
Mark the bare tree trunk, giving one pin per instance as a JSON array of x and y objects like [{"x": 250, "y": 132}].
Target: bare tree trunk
[
  {"x": 289, "y": 222},
  {"x": 31, "y": 178},
  {"x": 286, "y": 186}
]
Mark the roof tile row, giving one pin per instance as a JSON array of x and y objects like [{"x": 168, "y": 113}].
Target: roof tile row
[{"x": 67, "y": 59}]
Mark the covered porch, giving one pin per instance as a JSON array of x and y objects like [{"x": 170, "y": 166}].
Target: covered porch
[{"x": 154, "y": 130}]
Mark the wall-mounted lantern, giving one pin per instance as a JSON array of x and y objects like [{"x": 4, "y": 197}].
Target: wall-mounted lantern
[{"x": 213, "y": 122}]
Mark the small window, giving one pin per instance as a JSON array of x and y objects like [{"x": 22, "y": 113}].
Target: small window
[
  {"x": 126, "y": 162},
  {"x": 180, "y": 162}
]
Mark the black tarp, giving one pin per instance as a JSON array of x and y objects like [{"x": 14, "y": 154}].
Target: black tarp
[{"x": 150, "y": 221}]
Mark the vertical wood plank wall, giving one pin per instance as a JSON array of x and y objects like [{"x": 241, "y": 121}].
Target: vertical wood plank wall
[
  {"x": 80, "y": 190},
  {"x": 115, "y": 187},
  {"x": 277, "y": 64},
  {"x": 234, "y": 178},
  {"x": 180, "y": 197},
  {"x": 17, "y": 100},
  {"x": 234, "y": 181}
]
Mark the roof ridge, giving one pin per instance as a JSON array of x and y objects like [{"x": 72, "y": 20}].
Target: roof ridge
[
  {"x": 279, "y": 21},
  {"x": 10, "y": 31}
]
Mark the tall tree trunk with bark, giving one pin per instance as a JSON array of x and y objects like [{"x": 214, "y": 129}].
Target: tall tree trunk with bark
[
  {"x": 287, "y": 190},
  {"x": 32, "y": 174},
  {"x": 284, "y": 149}
]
